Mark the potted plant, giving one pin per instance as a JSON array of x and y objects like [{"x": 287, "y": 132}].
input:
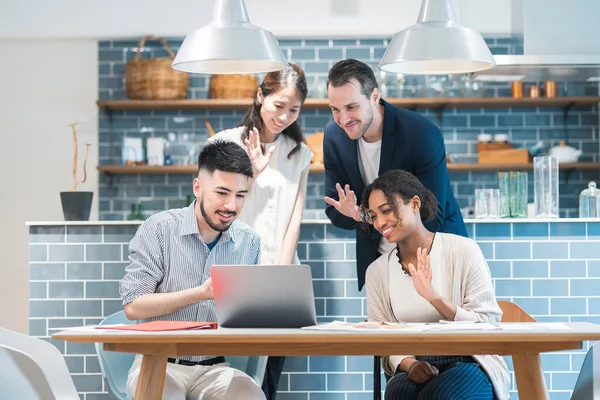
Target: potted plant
[{"x": 76, "y": 205}]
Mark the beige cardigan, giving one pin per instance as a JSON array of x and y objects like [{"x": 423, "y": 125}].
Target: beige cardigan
[{"x": 472, "y": 293}]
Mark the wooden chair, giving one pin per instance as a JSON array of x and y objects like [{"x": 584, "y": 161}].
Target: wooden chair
[
  {"x": 510, "y": 313},
  {"x": 513, "y": 313}
]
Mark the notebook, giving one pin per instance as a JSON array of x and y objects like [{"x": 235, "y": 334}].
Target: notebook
[{"x": 157, "y": 326}]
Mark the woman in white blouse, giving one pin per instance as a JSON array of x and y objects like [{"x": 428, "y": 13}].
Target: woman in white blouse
[
  {"x": 428, "y": 277},
  {"x": 272, "y": 136}
]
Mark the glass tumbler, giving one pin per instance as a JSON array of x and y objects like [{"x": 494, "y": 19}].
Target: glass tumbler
[
  {"x": 487, "y": 203},
  {"x": 513, "y": 194},
  {"x": 545, "y": 182}
]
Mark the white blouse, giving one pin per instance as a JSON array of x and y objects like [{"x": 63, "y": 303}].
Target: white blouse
[
  {"x": 407, "y": 304},
  {"x": 270, "y": 204}
]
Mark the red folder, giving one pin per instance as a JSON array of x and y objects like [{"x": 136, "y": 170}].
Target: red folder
[{"x": 157, "y": 326}]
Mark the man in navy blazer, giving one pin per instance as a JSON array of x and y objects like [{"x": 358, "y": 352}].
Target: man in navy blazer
[{"x": 369, "y": 137}]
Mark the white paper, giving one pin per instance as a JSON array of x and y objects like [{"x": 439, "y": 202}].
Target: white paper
[
  {"x": 517, "y": 327},
  {"x": 534, "y": 325},
  {"x": 556, "y": 325},
  {"x": 358, "y": 326},
  {"x": 473, "y": 326},
  {"x": 403, "y": 327}
]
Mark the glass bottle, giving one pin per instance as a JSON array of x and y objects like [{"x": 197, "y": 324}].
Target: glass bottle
[
  {"x": 171, "y": 138},
  {"x": 400, "y": 81},
  {"x": 136, "y": 212}
]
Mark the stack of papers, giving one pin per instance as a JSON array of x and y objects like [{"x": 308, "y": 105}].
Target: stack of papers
[
  {"x": 359, "y": 326},
  {"x": 461, "y": 326},
  {"x": 434, "y": 326}
]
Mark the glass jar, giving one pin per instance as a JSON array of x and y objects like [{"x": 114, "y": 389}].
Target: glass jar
[
  {"x": 517, "y": 90},
  {"x": 501, "y": 138},
  {"x": 382, "y": 84},
  {"x": 318, "y": 88},
  {"x": 589, "y": 202},
  {"x": 484, "y": 138}
]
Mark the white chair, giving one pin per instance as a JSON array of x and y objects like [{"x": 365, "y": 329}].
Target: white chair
[
  {"x": 587, "y": 386},
  {"x": 33, "y": 369}
]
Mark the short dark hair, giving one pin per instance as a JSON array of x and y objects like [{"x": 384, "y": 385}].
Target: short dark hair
[
  {"x": 226, "y": 156},
  {"x": 343, "y": 71},
  {"x": 399, "y": 183}
]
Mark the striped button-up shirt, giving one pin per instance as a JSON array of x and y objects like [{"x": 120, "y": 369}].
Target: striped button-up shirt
[{"x": 167, "y": 254}]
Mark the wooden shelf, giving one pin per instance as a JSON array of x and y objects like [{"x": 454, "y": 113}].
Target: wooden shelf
[
  {"x": 167, "y": 169},
  {"x": 147, "y": 169},
  {"x": 316, "y": 168},
  {"x": 410, "y": 103},
  {"x": 474, "y": 167}
]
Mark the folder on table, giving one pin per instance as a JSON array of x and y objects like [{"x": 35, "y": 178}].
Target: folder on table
[{"x": 157, "y": 326}]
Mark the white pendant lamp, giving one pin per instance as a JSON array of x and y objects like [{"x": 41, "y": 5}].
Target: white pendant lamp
[
  {"x": 230, "y": 44},
  {"x": 437, "y": 45}
]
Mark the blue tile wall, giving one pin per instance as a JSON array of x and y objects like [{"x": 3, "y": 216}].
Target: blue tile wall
[
  {"x": 79, "y": 285},
  {"x": 460, "y": 126}
]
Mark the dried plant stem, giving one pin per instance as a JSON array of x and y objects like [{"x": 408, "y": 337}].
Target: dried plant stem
[
  {"x": 87, "y": 151},
  {"x": 74, "y": 188},
  {"x": 85, "y": 158}
]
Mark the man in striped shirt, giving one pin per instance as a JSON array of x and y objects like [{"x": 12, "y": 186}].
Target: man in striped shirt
[{"x": 168, "y": 276}]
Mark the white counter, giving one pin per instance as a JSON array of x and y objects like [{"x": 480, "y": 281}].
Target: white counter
[{"x": 320, "y": 221}]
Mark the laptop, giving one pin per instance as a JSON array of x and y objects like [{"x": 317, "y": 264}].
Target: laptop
[{"x": 263, "y": 296}]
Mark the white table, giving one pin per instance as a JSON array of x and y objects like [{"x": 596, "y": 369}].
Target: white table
[{"x": 524, "y": 345}]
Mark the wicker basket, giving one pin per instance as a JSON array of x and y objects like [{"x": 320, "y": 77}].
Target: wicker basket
[
  {"x": 155, "y": 79},
  {"x": 233, "y": 86}
]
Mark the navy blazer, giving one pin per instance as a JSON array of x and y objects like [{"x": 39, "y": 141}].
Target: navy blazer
[{"x": 410, "y": 142}]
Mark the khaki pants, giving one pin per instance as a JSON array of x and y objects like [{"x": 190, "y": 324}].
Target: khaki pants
[{"x": 211, "y": 382}]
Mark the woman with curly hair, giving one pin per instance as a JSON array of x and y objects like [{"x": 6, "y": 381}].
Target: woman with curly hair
[{"x": 427, "y": 277}]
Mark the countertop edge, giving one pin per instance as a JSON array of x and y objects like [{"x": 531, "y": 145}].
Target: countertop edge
[{"x": 325, "y": 221}]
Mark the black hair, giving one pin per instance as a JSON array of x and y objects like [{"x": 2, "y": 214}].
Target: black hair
[
  {"x": 292, "y": 75},
  {"x": 343, "y": 71},
  {"x": 398, "y": 183},
  {"x": 226, "y": 156}
]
